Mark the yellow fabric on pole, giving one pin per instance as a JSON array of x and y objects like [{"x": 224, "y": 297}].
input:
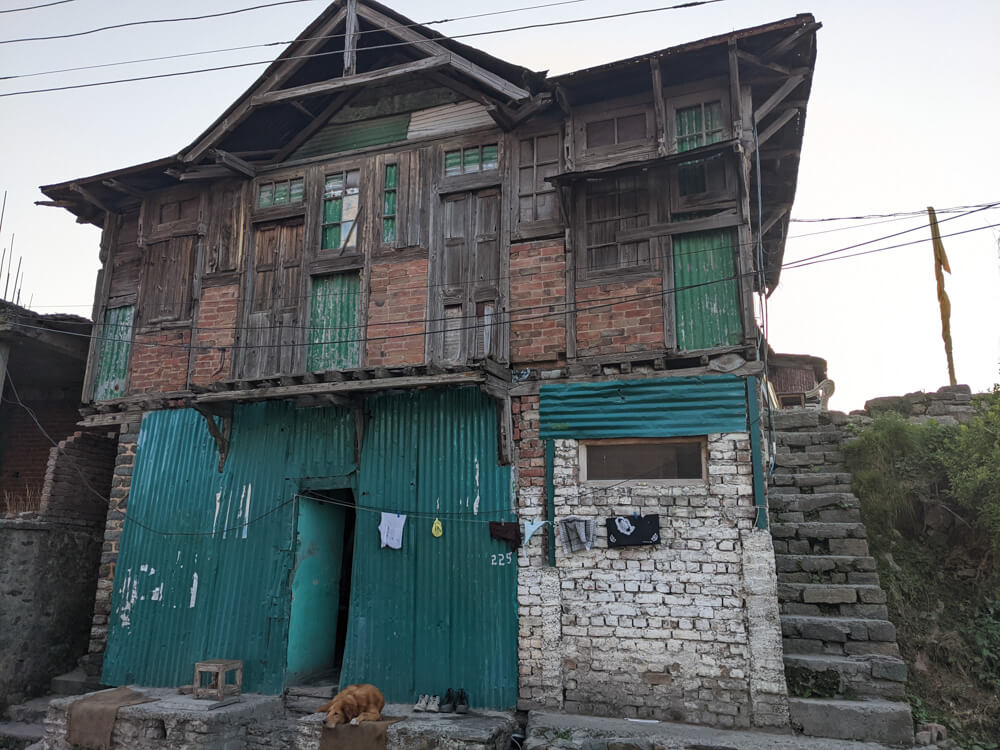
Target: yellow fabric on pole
[{"x": 941, "y": 265}]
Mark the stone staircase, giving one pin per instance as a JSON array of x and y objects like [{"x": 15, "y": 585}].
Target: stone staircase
[{"x": 845, "y": 676}]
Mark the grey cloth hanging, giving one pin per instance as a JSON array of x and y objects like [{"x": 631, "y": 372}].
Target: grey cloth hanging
[{"x": 577, "y": 534}]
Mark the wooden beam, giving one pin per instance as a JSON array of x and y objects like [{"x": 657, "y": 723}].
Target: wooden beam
[
  {"x": 537, "y": 103},
  {"x": 338, "y": 103},
  {"x": 789, "y": 41},
  {"x": 92, "y": 199},
  {"x": 735, "y": 94},
  {"x": 56, "y": 204},
  {"x": 659, "y": 106},
  {"x": 211, "y": 172},
  {"x": 757, "y": 62},
  {"x": 351, "y": 39},
  {"x": 721, "y": 220},
  {"x": 780, "y": 212},
  {"x": 121, "y": 187},
  {"x": 312, "y": 389},
  {"x": 221, "y": 435},
  {"x": 339, "y": 84},
  {"x": 280, "y": 75},
  {"x": 234, "y": 163},
  {"x": 419, "y": 41},
  {"x": 779, "y": 122},
  {"x": 303, "y": 110},
  {"x": 777, "y": 97}
]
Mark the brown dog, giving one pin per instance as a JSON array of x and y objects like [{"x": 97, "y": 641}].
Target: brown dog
[{"x": 354, "y": 704}]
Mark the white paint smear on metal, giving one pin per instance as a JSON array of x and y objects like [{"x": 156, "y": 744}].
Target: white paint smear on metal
[{"x": 194, "y": 591}]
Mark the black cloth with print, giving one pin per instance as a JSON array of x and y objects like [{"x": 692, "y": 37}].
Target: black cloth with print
[{"x": 627, "y": 531}]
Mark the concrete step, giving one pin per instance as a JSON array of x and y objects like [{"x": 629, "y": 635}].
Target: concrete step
[
  {"x": 833, "y": 676},
  {"x": 875, "y": 720},
  {"x": 835, "y": 569},
  {"x": 864, "y": 611},
  {"x": 30, "y": 712},
  {"x": 831, "y": 515},
  {"x": 838, "y": 629},
  {"x": 17, "y": 735},
  {"x": 797, "y": 461},
  {"x": 305, "y": 699},
  {"x": 830, "y": 593},
  {"x": 803, "y": 439},
  {"x": 797, "y": 502},
  {"x": 801, "y": 646},
  {"x": 76, "y": 682},
  {"x": 819, "y": 530},
  {"x": 821, "y": 547},
  {"x": 820, "y": 481}
]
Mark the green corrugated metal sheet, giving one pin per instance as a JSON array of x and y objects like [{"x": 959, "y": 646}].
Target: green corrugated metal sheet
[
  {"x": 708, "y": 313},
  {"x": 193, "y": 580},
  {"x": 334, "y": 333},
  {"x": 113, "y": 350},
  {"x": 333, "y": 138},
  {"x": 440, "y": 612},
  {"x": 660, "y": 407}
]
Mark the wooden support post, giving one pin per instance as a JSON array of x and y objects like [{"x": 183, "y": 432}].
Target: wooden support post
[
  {"x": 221, "y": 435},
  {"x": 351, "y": 39},
  {"x": 735, "y": 96},
  {"x": 659, "y": 106}
]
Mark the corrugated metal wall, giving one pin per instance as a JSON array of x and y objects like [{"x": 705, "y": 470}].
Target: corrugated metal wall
[
  {"x": 194, "y": 580},
  {"x": 114, "y": 350},
  {"x": 335, "y": 137},
  {"x": 707, "y": 300},
  {"x": 334, "y": 333},
  {"x": 440, "y": 612},
  {"x": 661, "y": 407}
]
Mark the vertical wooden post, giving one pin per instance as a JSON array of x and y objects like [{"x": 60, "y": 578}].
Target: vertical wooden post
[
  {"x": 351, "y": 39},
  {"x": 659, "y": 106}
]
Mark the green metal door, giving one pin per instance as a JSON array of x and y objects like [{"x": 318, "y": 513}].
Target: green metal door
[
  {"x": 442, "y": 611},
  {"x": 707, "y": 300}
]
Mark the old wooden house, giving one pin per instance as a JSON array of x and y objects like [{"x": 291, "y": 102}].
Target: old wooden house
[{"x": 401, "y": 277}]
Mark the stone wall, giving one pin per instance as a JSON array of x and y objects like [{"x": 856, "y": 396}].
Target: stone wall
[
  {"x": 949, "y": 405},
  {"x": 46, "y": 596},
  {"x": 686, "y": 630}
]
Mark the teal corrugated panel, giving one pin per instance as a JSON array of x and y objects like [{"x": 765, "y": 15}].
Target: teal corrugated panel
[
  {"x": 114, "y": 349},
  {"x": 334, "y": 331},
  {"x": 333, "y": 138},
  {"x": 205, "y": 560},
  {"x": 440, "y": 612},
  {"x": 707, "y": 300},
  {"x": 660, "y": 407}
]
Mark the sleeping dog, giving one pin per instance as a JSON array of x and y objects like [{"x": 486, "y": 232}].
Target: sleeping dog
[{"x": 354, "y": 704}]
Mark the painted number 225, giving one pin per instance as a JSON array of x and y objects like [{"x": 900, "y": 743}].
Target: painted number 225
[{"x": 504, "y": 558}]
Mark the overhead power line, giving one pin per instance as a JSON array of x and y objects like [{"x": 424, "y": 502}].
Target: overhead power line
[
  {"x": 233, "y": 66},
  {"x": 36, "y": 7},
  {"x": 152, "y": 21}
]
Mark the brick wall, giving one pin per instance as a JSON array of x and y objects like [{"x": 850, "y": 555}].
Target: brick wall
[
  {"x": 160, "y": 361},
  {"x": 538, "y": 282},
  {"x": 24, "y": 450},
  {"x": 216, "y": 328},
  {"x": 627, "y": 326},
  {"x": 398, "y": 294},
  {"x": 669, "y": 631},
  {"x": 121, "y": 482},
  {"x": 78, "y": 471}
]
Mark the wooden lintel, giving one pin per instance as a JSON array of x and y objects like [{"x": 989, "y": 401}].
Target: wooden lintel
[
  {"x": 779, "y": 122},
  {"x": 234, "y": 163},
  {"x": 346, "y": 82},
  {"x": 497, "y": 83},
  {"x": 537, "y": 103},
  {"x": 720, "y": 220},
  {"x": 291, "y": 391},
  {"x": 789, "y": 41},
  {"x": 56, "y": 204},
  {"x": 221, "y": 435},
  {"x": 212, "y": 172},
  {"x": 777, "y": 97},
  {"x": 108, "y": 420},
  {"x": 92, "y": 199},
  {"x": 121, "y": 187},
  {"x": 351, "y": 38}
]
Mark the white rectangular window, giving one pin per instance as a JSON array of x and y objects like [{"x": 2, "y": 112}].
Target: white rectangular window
[{"x": 657, "y": 461}]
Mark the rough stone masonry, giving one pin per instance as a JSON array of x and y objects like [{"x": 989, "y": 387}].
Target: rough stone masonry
[{"x": 686, "y": 630}]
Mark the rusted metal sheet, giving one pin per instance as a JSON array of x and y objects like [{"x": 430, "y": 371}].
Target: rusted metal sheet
[
  {"x": 334, "y": 325},
  {"x": 707, "y": 296},
  {"x": 442, "y": 611},
  {"x": 113, "y": 351},
  {"x": 206, "y": 557},
  {"x": 667, "y": 407}
]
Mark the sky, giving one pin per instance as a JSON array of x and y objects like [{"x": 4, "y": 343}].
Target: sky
[{"x": 902, "y": 115}]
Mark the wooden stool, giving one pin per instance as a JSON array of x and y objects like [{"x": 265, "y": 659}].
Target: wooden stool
[{"x": 218, "y": 669}]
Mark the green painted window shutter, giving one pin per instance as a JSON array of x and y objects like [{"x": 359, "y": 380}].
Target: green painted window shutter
[
  {"x": 113, "y": 351},
  {"x": 707, "y": 300},
  {"x": 334, "y": 325}
]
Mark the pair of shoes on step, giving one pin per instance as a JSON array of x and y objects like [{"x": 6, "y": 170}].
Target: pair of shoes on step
[
  {"x": 455, "y": 700},
  {"x": 429, "y": 703}
]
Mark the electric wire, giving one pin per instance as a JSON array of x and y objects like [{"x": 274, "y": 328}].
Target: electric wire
[
  {"x": 233, "y": 66},
  {"x": 36, "y": 7}
]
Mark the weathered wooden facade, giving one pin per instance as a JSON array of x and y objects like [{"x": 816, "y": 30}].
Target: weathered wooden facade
[{"x": 387, "y": 210}]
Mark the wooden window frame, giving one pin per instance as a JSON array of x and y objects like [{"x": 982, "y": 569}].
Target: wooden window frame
[
  {"x": 656, "y": 212},
  {"x": 615, "y": 110},
  {"x": 473, "y": 180},
  {"x": 700, "y": 440},
  {"x": 284, "y": 211},
  {"x": 713, "y": 197},
  {"x": 536, "y": 228},
  {"x": 359, "y": 219}
]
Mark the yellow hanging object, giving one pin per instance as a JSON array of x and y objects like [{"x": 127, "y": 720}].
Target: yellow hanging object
[{"x": 436, "y": 529}]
